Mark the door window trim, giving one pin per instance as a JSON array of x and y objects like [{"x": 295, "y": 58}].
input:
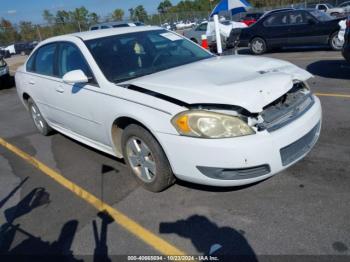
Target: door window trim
[
  {"x": 93, "y": 82},
  {"x": 55, "y": 63},
  {"x": 35, "y": 56}
]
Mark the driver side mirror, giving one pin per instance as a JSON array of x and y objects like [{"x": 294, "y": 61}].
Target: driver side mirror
[{"x": 75, "y": 77}]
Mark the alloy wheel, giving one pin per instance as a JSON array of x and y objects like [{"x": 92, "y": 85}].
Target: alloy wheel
[
  {"x": 141, "y": 159},
  {"x": 37, "y": 118},
  {"x": 258, "y": 46},
  {"x": 336, "y": 42}
]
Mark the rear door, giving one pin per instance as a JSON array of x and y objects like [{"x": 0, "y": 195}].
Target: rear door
[
  {"x": 275, "y": 29},
  {"x": 41, "y": 78}
]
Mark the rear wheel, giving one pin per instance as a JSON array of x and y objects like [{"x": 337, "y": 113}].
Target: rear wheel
[
  {"x": 258, "y": 46},
  {"x": 146, "y": 159},
  {"x": 38, "y": 119},
  {"x": 335, "y": 43}
]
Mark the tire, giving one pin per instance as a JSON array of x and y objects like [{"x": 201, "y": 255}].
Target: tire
[
  {"x": 346, "y": 55},
  {"x": 335, "y": 43},
  {"x": 38, "y": 120},
  {"x": 146, "y": 159},
  {"x": 258, "y": 46}
]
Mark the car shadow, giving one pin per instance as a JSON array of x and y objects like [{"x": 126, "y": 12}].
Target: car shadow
[
  {"x": 338, "y": 69},
  {"x": 7, "y": 82},
  {"x": 210, "y": 239}
]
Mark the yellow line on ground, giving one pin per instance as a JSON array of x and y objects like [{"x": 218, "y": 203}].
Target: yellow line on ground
[
  {"x": 130, "y": 225},
  {"x": 333, "y": 95}
]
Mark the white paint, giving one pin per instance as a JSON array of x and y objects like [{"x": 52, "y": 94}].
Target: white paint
[{"x": 87, "y": 114}]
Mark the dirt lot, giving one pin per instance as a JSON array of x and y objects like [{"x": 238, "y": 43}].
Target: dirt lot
[{"x": 304, "y": 210}]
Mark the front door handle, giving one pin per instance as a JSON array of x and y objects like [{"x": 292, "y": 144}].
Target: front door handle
[
  {"x": 31, "y": 82},
  {"x": 60, "y": 89}
]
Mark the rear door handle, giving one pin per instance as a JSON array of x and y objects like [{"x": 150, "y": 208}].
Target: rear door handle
[{"x": 60, "y": 89}]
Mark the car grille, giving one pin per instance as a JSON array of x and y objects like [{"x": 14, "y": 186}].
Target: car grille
[
  {"x": 286, "y": 109},
  {"x": 300, "y": 147},
  {"x": 234, "y": 173}
]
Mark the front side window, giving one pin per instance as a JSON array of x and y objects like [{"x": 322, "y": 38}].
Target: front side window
[
  {"x": 69, "y": 59},
  {"x": 127, "y": 56},
  {"x": 202, "y": 27},
  {"x": 322, "y": 7},
  {"x": 30, "y": 63},
  {"x": 44, "y": 60}
]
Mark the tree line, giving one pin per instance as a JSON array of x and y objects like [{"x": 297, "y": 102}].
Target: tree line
[{"x": 79, "y": 19}]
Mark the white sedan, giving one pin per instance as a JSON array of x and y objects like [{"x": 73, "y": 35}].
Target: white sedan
[{"x": 171, "y": 108}]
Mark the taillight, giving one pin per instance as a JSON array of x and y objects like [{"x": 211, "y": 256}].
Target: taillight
[{"x": 348, "y": 23}]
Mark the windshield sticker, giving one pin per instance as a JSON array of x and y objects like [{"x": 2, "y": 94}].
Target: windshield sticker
[{"x": 171, "y": 36}]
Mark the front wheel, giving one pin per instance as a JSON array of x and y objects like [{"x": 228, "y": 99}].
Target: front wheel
[
  {"x": 258, "y": 46},
  {"x": 146, "y": 159},
  {"x": 335, "y": 43}
]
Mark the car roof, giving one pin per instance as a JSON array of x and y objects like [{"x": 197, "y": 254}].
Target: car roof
[
  {"x": 279, "y": 10},
  {"x": 89, "y": 35},
  {"x": 113, "y": 23}
]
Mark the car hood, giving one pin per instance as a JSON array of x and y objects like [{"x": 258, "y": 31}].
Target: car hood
[{"x": 246, "y": 81}]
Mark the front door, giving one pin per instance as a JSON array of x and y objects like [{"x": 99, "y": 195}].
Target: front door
[{"x": 302, "y": 29}]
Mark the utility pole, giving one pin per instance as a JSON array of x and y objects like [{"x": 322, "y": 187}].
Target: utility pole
[{"x": 38, "y": 32}]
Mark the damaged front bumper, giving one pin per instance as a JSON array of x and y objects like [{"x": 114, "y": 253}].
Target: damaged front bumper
[{"x": 242, "y": 160}]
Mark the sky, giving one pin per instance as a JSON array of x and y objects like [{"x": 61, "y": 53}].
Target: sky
[{"x": 31, "y": 10}]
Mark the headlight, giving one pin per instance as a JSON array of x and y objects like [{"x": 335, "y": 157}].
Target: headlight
[{"x": 205, "y": 124}]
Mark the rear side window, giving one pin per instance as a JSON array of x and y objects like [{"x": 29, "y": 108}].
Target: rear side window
[
  {"x": 297, "y": 18},
  {"x": 30, "y": 63},
  {"x": 277, "y": 20},
  {"x": 70, "y": 58},
  {"x": 44, "y": 60}
]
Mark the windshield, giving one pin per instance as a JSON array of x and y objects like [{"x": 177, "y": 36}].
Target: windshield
[
  {"x": 329, "y": 5},
  {"x": 321, "y": 16},
  {"x": 127, "y": 56}
]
